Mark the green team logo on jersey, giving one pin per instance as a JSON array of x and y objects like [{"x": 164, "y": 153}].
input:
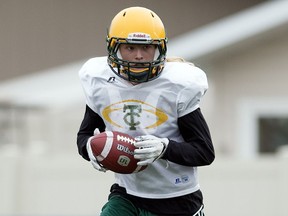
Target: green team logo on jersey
[{"x": 133, "y": 113}]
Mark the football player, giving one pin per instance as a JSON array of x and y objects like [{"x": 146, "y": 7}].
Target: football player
[{"x": 138, "y": 91}]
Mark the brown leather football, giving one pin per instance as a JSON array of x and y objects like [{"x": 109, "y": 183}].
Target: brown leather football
[{"x": 115, "y": 151}]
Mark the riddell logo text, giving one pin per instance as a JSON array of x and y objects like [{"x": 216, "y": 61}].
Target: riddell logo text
[{"x": 140, "y": 35}]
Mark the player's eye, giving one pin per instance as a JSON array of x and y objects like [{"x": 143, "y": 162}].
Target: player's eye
[
  {"x": 149, "y": 47},
  {"x": 130, "y": 48}
]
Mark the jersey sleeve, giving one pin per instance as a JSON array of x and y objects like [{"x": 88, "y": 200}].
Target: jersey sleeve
[
  {"x": 194, "y": 87},
  {"x": 91, "y": 75},
  {"x": 86, "y": 82}
]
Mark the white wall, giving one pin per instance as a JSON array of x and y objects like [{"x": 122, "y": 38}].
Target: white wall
[
  {"x": 246, "y": 187},
  {"x": 61, "y": 184}
]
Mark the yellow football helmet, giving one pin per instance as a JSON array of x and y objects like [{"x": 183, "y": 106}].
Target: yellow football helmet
[{"x": 136, "y": 25}]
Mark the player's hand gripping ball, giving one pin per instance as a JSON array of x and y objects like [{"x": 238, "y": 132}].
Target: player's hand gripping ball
[{"x": 115, "y": 151}]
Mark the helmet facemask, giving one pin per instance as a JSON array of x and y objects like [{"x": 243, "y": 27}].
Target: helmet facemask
[{"x": 136, "y": 72}]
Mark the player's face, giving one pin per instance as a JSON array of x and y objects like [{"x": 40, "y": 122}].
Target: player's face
[{"x": 137, "y": 53}]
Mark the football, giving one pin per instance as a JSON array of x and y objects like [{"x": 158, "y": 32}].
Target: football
[{"x": 115, "y": 151}]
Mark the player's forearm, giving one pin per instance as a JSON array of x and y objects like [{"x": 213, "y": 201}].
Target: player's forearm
[
  {"x": 90, "y": 122},
  {"x": 81, "y": 144},
  {"x": 190, "y": 154},
  {"x": 197, "y": 150}
]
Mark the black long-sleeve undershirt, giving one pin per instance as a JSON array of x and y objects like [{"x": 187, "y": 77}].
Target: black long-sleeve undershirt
[
  {"x": 197, "y": 150},
  {"x": 90, "y": 122}
]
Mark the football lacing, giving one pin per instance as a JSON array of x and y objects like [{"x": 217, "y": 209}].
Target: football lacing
[{"x": 125, "y": 139}]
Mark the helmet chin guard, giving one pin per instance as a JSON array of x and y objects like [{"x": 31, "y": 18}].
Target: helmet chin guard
[
  {"x": 128, "y": 27},
  {"x": 127, "y": 70}
]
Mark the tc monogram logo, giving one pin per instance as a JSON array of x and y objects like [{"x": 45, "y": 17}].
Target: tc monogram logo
[
  {"x": 132, "y": 111},
  {"x": 132, "y": 114}
]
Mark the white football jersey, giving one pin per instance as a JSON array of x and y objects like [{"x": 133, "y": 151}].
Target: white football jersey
[{"x": 147, "y": 108}]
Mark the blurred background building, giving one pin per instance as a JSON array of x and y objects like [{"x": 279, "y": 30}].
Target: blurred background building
[{"x": 242, "y": 46}]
